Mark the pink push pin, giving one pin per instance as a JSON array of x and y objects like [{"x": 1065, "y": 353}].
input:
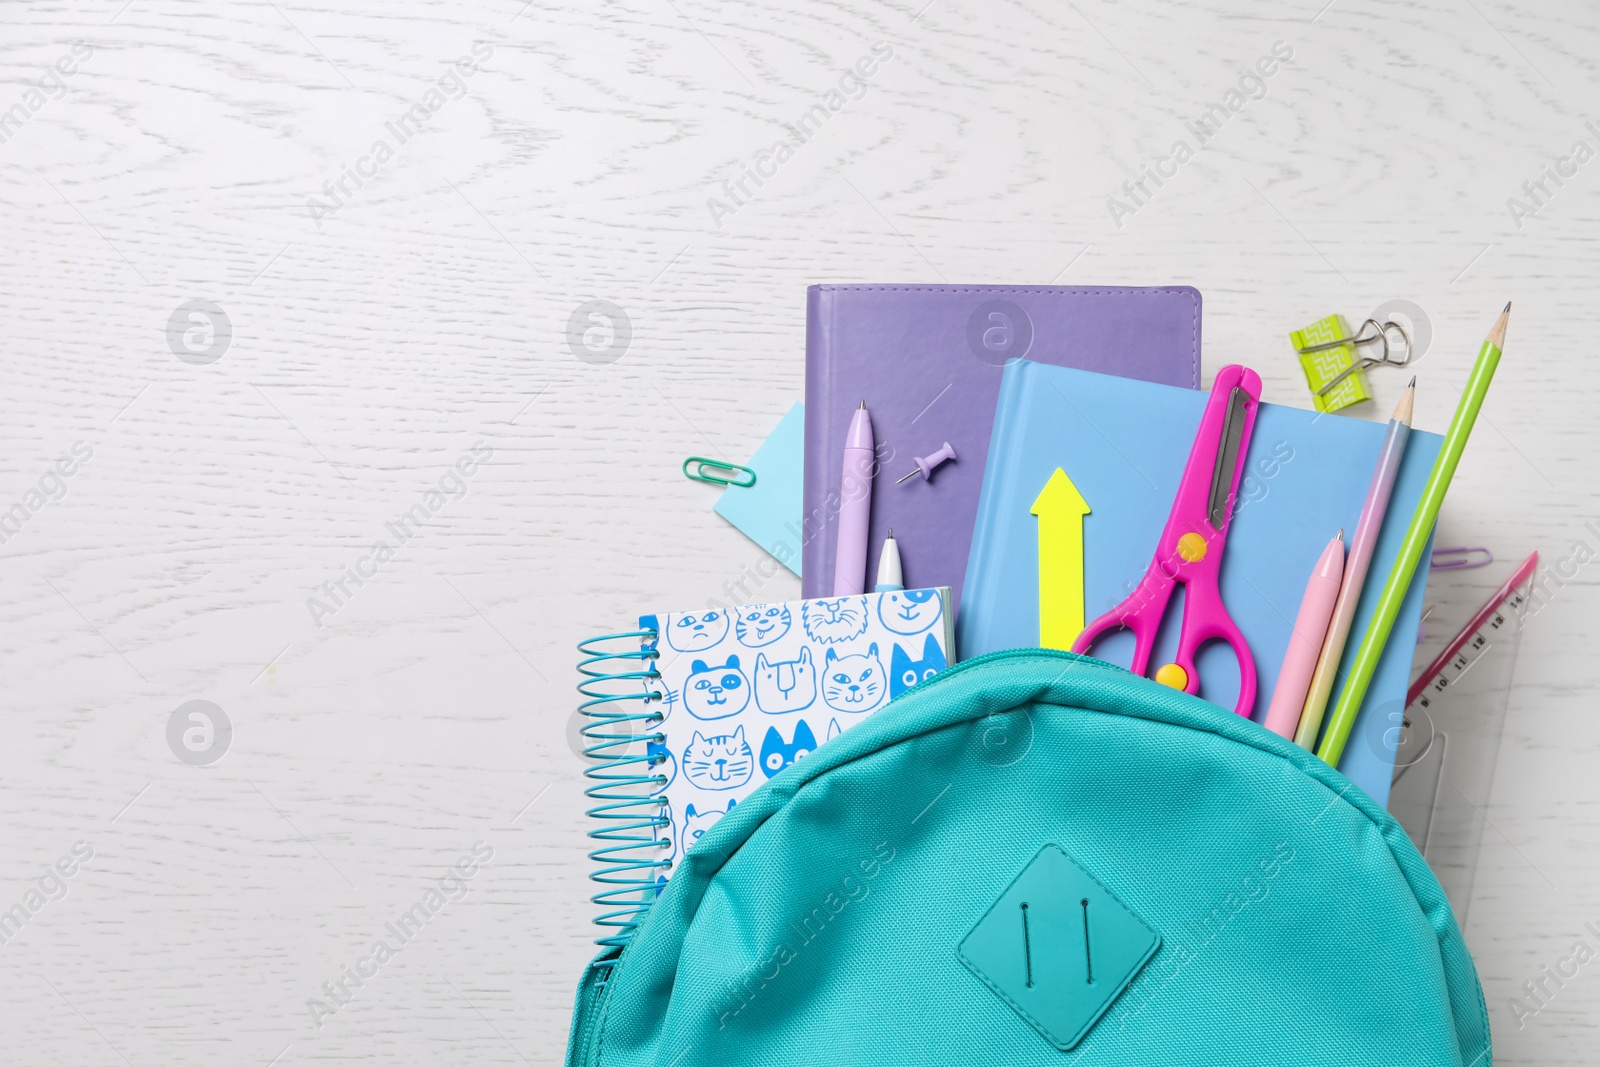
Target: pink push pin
[{"x": 927, "y": 464}]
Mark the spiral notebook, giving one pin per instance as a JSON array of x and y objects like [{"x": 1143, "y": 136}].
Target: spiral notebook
[{"x": 695, "y": 710}]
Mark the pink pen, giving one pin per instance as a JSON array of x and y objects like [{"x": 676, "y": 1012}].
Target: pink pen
[
  {"x": 855, "y": 507},
  {"x": 1305, "y": 640}
]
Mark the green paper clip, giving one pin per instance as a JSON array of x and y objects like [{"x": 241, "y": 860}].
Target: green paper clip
[
  {"x": 715, "y": 472},
  {"x": 1328, "y": 358}
]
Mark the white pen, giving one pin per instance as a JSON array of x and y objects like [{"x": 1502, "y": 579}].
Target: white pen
[{"x": 890, "y": 576}]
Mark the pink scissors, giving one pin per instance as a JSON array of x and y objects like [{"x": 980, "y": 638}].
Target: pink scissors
[{"x": 1190, "y": 549}]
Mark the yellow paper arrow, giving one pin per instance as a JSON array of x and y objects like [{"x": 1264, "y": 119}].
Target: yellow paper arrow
[{"x": 1061, "y": 509}]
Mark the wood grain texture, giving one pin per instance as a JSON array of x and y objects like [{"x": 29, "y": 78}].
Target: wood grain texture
[{"x": 373, "y": 348}]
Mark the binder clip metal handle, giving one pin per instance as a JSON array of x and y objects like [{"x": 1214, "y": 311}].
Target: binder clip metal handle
[{"x": 1372, "y": 332}]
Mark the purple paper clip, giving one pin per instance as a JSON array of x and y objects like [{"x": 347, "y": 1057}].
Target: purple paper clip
[{"x": 1461, "y": 558}]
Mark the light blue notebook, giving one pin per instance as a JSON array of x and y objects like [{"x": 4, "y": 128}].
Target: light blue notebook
[{"x": 1124, "y": 444}]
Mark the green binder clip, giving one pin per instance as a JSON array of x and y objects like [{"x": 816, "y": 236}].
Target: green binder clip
[
  {"x": 1333, "y": 369},
  {"x": 1327, "y": 354},
  {"x": 715, "y": 472}
]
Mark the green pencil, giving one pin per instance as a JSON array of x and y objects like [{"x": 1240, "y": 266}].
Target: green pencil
[{"x": 1373, "y": 641}]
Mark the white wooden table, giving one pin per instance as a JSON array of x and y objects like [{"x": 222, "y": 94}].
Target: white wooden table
[{"x": 420, "y": 310}]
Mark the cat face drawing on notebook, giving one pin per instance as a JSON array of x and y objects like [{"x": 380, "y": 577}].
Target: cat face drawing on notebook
[
  {"x": 776, "y": 755},
  {"x": 834, "y": 620},
  {"x": 910, "y": 611},
  {"x": 722, "y": 761},
  {"x": 696, "y": 823},
  {"x": 787, "y": 685},
  {"x": 905, "y": 672},
  {"x": 696, "y": 631},
  {"x": 758, "y": 625},
  {"x": 715, "y": 692},
  {"x": 854, "y": 683}
]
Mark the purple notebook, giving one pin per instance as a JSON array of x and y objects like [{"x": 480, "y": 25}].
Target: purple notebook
[{"x": 927, "y": 360}]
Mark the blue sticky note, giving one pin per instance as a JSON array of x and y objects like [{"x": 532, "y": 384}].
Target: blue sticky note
[{"x": 769, "y": 512}]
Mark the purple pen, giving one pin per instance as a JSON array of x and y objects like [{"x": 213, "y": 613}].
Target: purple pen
[{"x": 855, "y": 507}]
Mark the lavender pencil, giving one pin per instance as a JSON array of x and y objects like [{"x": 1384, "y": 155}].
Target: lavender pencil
[{"x": 1355, "y": 571}]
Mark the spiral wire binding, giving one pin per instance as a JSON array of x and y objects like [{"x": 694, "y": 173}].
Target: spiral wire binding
[{"x": 618, "y": 706}]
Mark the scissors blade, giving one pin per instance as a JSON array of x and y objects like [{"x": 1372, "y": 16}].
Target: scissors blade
[{"x": 1227, "y": 457}]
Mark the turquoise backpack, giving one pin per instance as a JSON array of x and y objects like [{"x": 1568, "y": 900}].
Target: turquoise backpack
[{"x": 1038, "y": 858}]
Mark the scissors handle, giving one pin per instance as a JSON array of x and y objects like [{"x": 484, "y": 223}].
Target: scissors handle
[
  {"x": 1140, "y": 613},
  {"x": 1204, "y": 621}
]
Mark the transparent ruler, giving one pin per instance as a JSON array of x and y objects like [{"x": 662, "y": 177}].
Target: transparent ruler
[{"x": 1450, "y": 734}]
